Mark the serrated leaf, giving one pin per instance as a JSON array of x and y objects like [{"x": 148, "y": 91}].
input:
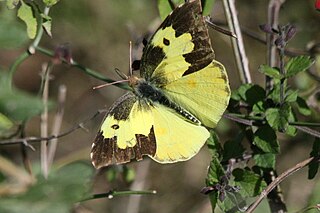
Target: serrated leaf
[
  {"x": 266, "y": 139},
  {"x": 303, "y": 107},
  {"x": 278, "y": 118},
  {"x": 58, "y": 193},
  {"x": 165, "y": 8},
  {"x": 50, "y": 3},
  {"x": 11, "y": 4},
  {"x": 269, "y": 71},
  {"x": 298, "y": 64},
  {"x": 266, "y": 160},
  {"x": 250, "y": 183},
  {"x": 314, "y": 166},
  {"x": 291, "y": 96},
  {"x": 25, "y": 13},
  {"x": 233, "y": 148},
  {"x": 251, "y": 93}
]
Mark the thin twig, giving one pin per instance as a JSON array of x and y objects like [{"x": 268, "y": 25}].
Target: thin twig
[
  {"x": 52, "y": 145},
  {"x": 238, "y": 46},
  {"x": 278, "y": 180},
  {"x": 37, "y": 139},
  {"x": 112, "y": 194},
  {"x": 44, "y": 121}
]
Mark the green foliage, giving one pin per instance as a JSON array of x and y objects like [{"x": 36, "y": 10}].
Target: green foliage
[
  {"x": 314, "y": 166},
  {"x": 26, "y": 14},
  {"x": 269, "y": 71},
  {"x": 265, "y": 160},
  {"x": 250, "y": 183},
  {"x": 297, "y": 64},
  {"x": 16, "y": 104},
  {"x": 12, "y": 33},
  {"x": 5, "y": 125},
  {"x": 58, "y": 193},
  {"x": 50, "y": 3},
  {"x": 266, "y": 139}
]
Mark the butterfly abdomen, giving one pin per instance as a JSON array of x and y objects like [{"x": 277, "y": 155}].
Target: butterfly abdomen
[{"x": 148, "y": 92}]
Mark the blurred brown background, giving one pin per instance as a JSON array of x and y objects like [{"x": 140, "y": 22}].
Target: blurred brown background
[{"x": 98, "y": 33}]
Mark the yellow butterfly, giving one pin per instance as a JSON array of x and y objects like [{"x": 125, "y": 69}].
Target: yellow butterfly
[{"x": 181, "y": 91}]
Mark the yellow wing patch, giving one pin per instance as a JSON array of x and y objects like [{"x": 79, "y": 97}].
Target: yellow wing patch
[
  {"x": 204, "y": 93},
  {"x": 173, "y": 65}
]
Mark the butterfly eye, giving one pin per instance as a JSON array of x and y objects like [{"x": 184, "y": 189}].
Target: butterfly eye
[{"x": 166, "y": 42}]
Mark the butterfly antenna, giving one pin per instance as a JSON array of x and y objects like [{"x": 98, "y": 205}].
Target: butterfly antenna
[
  {"x": 219, "y": 29},
  {"x": 112, "y": 83},
  {"x": 121, "y": 74}
]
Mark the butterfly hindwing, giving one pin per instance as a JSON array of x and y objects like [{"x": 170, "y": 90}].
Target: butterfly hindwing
[{"x": 133, "y": 128}]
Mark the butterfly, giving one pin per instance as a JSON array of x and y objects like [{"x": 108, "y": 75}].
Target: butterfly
[{"x": 182, "y": 90}]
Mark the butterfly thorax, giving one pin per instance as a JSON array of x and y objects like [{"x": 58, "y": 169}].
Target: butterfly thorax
[{"x": 147, "y": 92}]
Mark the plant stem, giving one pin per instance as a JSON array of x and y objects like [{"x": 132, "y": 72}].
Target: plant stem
[
  {"x": 112, "y": 194},
  {"x": 237, "y": 44},
  {"x": 86, "y": 70}
]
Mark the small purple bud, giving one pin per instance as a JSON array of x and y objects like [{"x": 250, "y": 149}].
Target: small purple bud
[
  {"x": 266, "y": 28},
  {"x": 279, "y": 42},
  {"x": 291, "y": 31},
  {"x": 62, "y": 52}
]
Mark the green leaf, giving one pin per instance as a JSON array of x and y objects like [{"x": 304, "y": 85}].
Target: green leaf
[
  {"x": 269, "y": 71},
  {"x": 251, "y": 93},
  {"x": 313, "y": 200},
  {"x": 250, "y": 183},
  {"x": 25, "y": 13},
  {"x": 278, "y": 118},
  {"x": 213, "y": 196},
  {"x": 16, "y": 104},
  {"x": 274, "y": 94},
  {"x": 314, "y": 166},
  {"x": 165, "y": 8},
  {"x": 207, "y": 6},
  {"x": 214, "y": 144},
  {"x": 303, "y": 107},
  {"x": 266, "y": 160},
  {"x": 128, "y": 174},
  {"x": 50, "y": 3},
  {"x": 215, "y": 172},
  {"x": 11, "y": 4},
  {"x": 291, "y": 96},
  {"x": 298, "y": 64},
  {"x": 266, "y": 139},
  {"x": 5, "y": 124},
  {"x": 259, "y": 107},
  {"x": 12, "y": 32},
  {"x": 58, "y": 193},
  {"x": 291, "y": 130},
  {"x": 233, "y": 148},
  {"x": 46, "y": 24}
]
